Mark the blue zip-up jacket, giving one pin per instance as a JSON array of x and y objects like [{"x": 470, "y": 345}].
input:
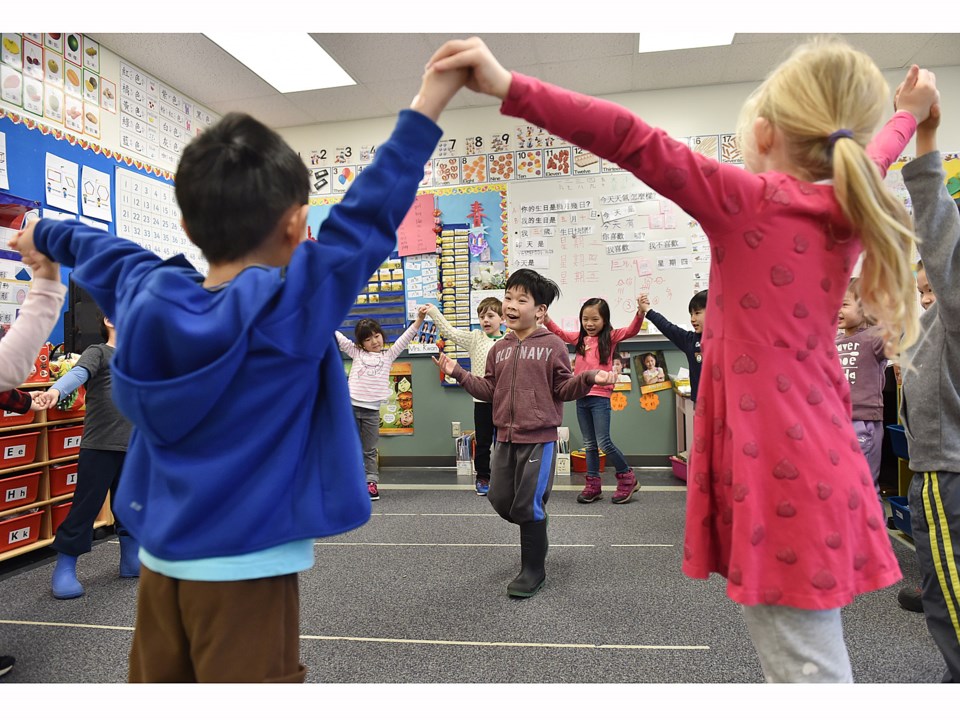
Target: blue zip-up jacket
[
  {"x": 687, "y": 341},
  {"x": 238, "y": 396}
]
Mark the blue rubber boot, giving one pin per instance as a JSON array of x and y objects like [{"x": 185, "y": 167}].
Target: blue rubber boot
[
  {"x": 129, "y": 557},
  {"x": 65, "y": 584}
]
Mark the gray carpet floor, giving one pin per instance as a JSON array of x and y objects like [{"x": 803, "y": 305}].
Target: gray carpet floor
[{"x": 418, "y": 595}]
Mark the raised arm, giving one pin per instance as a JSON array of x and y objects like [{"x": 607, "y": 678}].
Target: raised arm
[
  {"x": 568, "y": 337},
  {"x": 398, "y": 347},
  {"x": 630, "y": 330},
  {"x": 937, "y": 221},
  {"x": 704, "y": 188},
  {"x": 463, "y": 338},
  {"x": 346, "y": 345},
  {"x": 38, "y": 315}
]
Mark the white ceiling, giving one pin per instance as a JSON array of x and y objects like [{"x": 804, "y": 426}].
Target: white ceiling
[{"x": 388, "y": 66}]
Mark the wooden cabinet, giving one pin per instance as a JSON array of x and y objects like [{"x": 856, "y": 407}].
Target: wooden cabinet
[{"x": 27, "y": 478}]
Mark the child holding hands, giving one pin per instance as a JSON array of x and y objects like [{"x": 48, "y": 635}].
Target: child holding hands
[
  {"x": 478, "y": 344},
  {"x": 370, "y": 383},
  {"x": 226, "y": 499},
  {"x": 687, "y": 341},
  {"x": 528, "y": 378},
  {"x": 103, "y": 448},
  {"x": 775, "y": 456},
  {"x": 931, "y": 396},
  {"x": 596, "y": 343}
]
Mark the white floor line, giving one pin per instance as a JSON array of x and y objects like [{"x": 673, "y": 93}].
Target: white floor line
[
  {"x": 481, "y": 643},
  {"x": 404, "y": 641},
  {"x": 388, "y": 544},
  {"x": 61, "y": 624},
  {"x": 644, "y": 545}
]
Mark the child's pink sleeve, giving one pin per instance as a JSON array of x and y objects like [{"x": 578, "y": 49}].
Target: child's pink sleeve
[
  {"x": 630, "y": 330},
  {"x": 891, "y": 140},
  {"x": 567, "y": 337},
  {"x": 712, "y": 192},
  {"x": 20, "y": 346}
]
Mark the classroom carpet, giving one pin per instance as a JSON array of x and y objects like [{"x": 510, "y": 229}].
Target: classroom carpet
[{"x": 418, "y": 595}]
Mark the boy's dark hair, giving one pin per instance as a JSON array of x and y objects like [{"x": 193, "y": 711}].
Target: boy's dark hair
[
  {"x": 543, "y": 290},
  {"x": 603, "y": 338},
  {"x": 490, "y": 303},
  {"x": 234, "y": 183},
  {"x": 366, "y": 328},
  {"x": 698, "y": 302},
  {"x": 104, "y": 330}
]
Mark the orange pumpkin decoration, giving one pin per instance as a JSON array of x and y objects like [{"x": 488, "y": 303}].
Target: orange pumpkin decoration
[
  {"x": 618, "y": 401},
  {"x": 650, "y": 402}
]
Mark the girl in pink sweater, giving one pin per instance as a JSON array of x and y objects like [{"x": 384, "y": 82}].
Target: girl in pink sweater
[
  {"x": 595, "y": 345},
  {"x": 781, "y": 502}
]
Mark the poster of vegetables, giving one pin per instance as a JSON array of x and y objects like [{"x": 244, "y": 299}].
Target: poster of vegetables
[{"x": 396, "y": 412}]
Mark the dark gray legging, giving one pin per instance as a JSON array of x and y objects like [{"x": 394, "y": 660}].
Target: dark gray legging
[{"x": 368, "y": 423}]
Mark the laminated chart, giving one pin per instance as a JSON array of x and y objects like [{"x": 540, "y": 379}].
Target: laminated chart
[{"x": 148, "y": 214}]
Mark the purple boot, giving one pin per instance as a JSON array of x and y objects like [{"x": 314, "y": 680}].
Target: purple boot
[
  {"x": 627, "y": 485},
  {"x": 591, "y": 491}
]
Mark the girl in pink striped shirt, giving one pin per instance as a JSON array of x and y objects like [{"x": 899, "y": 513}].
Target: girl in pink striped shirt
[
  {"x": 369, "y": 383},
  {"x": 595, "y": 345}
]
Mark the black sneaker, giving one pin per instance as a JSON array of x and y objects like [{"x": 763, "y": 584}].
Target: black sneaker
[
  {"x": 909, "y": 599},
  {"x": 6, "y": 664}
]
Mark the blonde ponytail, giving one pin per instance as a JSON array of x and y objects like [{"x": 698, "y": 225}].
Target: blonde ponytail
[
  {"x": 886, "y": 285},
  {"x": 828, "y": 99}
]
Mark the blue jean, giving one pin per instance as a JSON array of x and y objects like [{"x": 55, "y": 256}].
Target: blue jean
[{"x": 593, "y": 414}]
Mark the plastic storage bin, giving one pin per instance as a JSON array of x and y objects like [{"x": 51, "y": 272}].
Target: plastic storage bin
[
  {"x": 578, "y": 461},
  {"x": 57, "y": 414},
  {"x": 9, "y": 418},
  {"x": 64, "y": 441},
  {"x": 679, "y": 467},
  {"x": 18, "y": 490},
  {"x": 21, "y": 530},
  {"x": 901, "y": 514},
  {"x": 63, "y": 479},
  {"x": 898, "y": 441},
  {"x": 58, "y": 513},
  {"x": 19, "y": 449}
]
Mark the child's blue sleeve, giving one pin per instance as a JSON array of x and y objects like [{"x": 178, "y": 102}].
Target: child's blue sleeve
[
  {"x": 683, "y": 339},
  {"x": 71, "y": 381},
  {"x": 106, "y": 266},
  {"x": 325, "y": 277}
]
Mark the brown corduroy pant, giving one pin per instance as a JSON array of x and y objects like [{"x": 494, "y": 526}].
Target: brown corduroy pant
[{"x": 216, "y": 632}]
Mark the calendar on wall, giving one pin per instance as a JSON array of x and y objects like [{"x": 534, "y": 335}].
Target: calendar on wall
[{"x": 147, "y": 213}]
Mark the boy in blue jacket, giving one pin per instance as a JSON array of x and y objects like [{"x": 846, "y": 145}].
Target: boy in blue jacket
[{"x": 226, "y": 483}]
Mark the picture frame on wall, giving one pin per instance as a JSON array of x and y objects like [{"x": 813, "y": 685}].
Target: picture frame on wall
[
  {"x": 108, "y": 95},
  {"x": 91, "y": 54},
  {"x": 54, "y": 42},
  {"x": 52, "y": 68}
]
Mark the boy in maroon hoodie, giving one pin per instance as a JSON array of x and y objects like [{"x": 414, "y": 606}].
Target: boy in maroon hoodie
[{"x": 528, "y": 378}]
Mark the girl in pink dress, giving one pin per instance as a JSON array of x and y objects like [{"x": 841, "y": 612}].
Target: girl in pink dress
[
  {"x": 595, "y": 345},
  {"x": 781, "y": 500}
]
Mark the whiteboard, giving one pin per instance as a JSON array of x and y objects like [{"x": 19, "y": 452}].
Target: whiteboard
[{"x": 608, "y": 235}]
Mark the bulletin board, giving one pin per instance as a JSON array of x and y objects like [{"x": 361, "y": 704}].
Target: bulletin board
[
  {"x": 608, "y": 235},
  {"x": 27, "y": 146}
]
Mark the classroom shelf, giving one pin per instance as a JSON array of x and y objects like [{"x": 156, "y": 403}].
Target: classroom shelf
[{"x": 42, "y": 462}]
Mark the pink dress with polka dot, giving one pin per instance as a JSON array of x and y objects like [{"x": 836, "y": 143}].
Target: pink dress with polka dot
[{"x": 780, "y": 500}]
